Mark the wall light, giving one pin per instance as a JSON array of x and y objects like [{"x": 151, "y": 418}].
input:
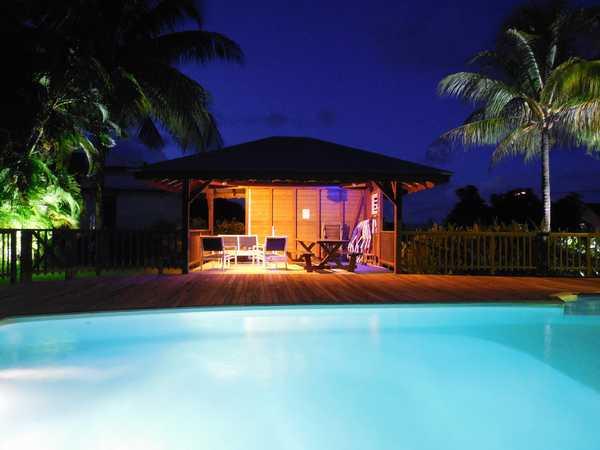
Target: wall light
[{"x": 306, "y": 214}]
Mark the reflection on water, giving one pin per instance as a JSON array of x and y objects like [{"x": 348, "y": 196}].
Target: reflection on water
[
  {"x": 586, "y": 305},
  {"x": 325, "y": 378}
]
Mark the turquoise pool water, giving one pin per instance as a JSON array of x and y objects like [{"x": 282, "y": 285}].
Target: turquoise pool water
[{"x": 409, "y": 377}]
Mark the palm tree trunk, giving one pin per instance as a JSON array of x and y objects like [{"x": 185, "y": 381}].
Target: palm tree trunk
[{"x": 546, "y": 198}]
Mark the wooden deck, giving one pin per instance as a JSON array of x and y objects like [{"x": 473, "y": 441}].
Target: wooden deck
[{"x": 277, "y": 288}]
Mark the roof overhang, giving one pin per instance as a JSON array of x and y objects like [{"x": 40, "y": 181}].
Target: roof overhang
[{"x": 313, "y": 163}]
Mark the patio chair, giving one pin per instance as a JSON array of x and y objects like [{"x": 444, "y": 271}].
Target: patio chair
[
  {"x": 332, "y": 232},
  {"x": 275, "y": 250},
  {"x": 248, "y": 246},
  {"x": 230, "y": 245},
  {"x": 212, "y": 248}
]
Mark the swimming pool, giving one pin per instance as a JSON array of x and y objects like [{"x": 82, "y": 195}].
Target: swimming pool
[{"x": 408, "y": 377}]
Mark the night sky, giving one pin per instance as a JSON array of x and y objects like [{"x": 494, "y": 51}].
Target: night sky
[{"x": 364, "y": 74}]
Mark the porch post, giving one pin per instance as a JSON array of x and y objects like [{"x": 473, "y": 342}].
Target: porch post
[
  {"x": 210, "y": 200},
  {"x": 397, "y": 200},
  {"x": 185, "y": 225}
]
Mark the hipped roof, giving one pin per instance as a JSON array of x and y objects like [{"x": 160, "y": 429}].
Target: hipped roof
[{"x": 293, "y": 160}]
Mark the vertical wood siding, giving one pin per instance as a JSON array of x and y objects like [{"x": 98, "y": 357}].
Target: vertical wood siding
[
  {"x": 284, "y": 219},
  {"x": 282, "y": 207},
  {"x": 332, "y": 203},
  {"x": 261, "y": 212},
  {"x": 308, "y": 230}
]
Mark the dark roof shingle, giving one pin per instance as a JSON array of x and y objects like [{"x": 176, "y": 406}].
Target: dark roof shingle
[{"x": 293, "y": 158}]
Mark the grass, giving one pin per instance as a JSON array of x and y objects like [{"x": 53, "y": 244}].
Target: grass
[{"x": 59, "y": 276}]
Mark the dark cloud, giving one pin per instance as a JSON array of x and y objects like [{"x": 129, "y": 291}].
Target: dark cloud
[
  {"x": 326, "y": 117},
  {"x": 276, "y": 120},
  {"x": 323, "y": 118}
]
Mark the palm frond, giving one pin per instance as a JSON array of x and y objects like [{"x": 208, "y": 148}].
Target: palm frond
[
  {"x": 185, "y": 46},
  {"x": 573, "y": 79},
  {"x": 479, "y": 132},
  {"x": 527, "y": 57},
  {"x": 578, "y": 124},
  {"x": 180, "y": 104},
  {"x": 149, "y": 134},
  {"x": 483, "y": 58},
  {"x": 520, "y": 110},
  {"x": 478, "y": 89},
  {"x": 523, "y": 140},
  {"x": 167, "y": 15}
]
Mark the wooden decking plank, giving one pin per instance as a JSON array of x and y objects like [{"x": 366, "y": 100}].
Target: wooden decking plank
[{"x": 214, "y": 289}]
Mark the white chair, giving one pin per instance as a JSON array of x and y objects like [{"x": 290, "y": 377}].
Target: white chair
[
  {"x": 230, "y": 245},
  {"x": 274, "y": 250},
  {"x": 212, "y": 248},
  {"x": 248, "y": 246}
]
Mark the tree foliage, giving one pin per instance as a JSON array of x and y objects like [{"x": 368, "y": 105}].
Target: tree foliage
[
  {"x": 83, "y": 73},
  {"x": 470, "y": 209},
  {"x": 517, "y": 208}
]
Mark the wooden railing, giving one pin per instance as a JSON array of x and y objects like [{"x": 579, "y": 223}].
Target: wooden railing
[
  {"x": 195, "y": 245},
  {"x": 24, "y": 253},
  {"x": 8, "y": 254},
  {"x": 384, "y": 243},
  {"x": 463, "y": 252},
  {"x": 31, "y": 252},
  {"x": 448, "y": 252},
  {"x": 574, "y": 253}
]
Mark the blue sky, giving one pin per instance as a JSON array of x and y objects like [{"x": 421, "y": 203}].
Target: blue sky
[{"x": 364, "y": 74}]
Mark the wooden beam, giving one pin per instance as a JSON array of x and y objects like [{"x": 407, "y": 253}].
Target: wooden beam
[
  {"x": 200, "y": 187},
  {"x": 185, "y": 225},
  {"x": 398, "y": 193},
  {"x": 411, "y": 188},
  {"x": 388, "y": 189},
  {"x": 230, "y": 193},
  {"x": 210, "y": 200}
]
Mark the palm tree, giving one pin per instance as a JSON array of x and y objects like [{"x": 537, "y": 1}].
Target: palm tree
[
  {"x": 126, "y": 76},
  {"x": 52, "y": 106},
  {"x": 527, "y": 102},
  {"x": 139, "y": 45}
]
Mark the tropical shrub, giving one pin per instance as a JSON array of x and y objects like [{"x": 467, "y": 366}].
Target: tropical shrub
[{"x": 50, "y": 201}]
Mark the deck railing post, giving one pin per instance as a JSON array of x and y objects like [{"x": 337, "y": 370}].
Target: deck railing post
[
  {"x": 98, "y": 249},
  {"x": 185, "y": 226},
  {"x": 398, "y": 233},
  {"x": 13, "y": 256},
  {"x": 26, "y": 261},
  {"x": 210, "y": 200},
  {"x": 543, "y": 253},
  {"x": 70, "y": 246},
  {"x": 588, "y": 256}
]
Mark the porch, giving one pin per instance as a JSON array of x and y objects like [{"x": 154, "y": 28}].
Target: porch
[
  {"x": 217, "y": 288},
  {"x": 297, "y": 188}
]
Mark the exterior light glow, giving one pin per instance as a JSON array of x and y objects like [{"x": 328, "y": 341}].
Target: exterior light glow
[{"x": 306, "y": 214}]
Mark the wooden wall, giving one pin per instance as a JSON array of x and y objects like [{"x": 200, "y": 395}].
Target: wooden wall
[{"x": 282, "y": 208}]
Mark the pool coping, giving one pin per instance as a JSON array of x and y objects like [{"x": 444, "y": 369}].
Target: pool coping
[{"x": 254, "y": 308}]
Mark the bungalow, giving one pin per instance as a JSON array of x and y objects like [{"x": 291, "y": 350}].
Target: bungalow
[{"x": 296, "y": 186}]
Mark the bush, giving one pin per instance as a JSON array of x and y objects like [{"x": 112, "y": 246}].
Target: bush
[{"x": 229, "y": 227}]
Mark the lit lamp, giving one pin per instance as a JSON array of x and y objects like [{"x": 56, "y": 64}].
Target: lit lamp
[{"x": 306, "y": 214}]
